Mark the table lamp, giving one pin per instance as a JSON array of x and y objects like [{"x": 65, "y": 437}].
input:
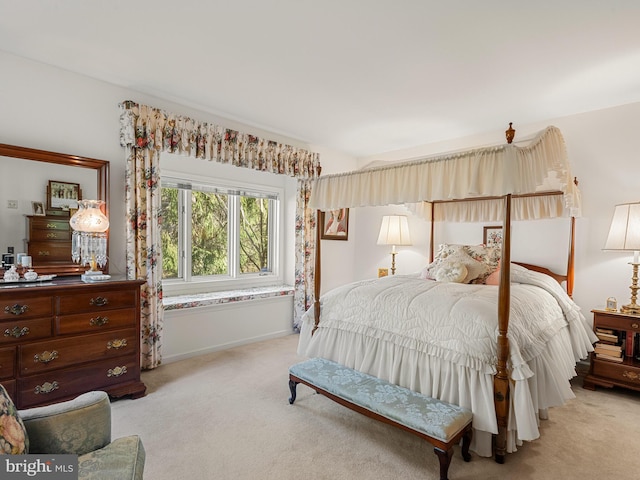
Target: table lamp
[
  {"x": 89, "y": 238},
  {"x": 624, "y": 235},
  {"x": 394, "y": 230}
]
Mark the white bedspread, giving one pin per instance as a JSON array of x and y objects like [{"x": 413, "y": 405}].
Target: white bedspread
[{"x": 440, "y": 339}]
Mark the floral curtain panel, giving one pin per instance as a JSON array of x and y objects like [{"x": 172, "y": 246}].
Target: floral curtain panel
[
  {"x": 146, "y": 132},
  {"x": 306, "y": 219}
]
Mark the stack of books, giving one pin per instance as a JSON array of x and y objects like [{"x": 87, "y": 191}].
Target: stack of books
[
  {"x": 609, "y": 347},
  {"x": 607, "y": 336}
]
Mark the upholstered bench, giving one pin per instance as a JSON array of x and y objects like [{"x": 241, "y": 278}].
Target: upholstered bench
[{"x": 440, "y": 423}]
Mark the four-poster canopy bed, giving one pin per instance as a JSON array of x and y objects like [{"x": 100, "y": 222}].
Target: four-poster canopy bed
[{"x": 507, "y": 374}]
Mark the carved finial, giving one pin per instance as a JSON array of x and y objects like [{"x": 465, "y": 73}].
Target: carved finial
[{"x": 510, "y": 133}]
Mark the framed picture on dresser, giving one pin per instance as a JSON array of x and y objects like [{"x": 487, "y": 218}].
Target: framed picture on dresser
[{"x": 63, "y": 195}]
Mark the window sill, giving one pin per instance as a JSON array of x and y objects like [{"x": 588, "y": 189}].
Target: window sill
[{"x": 216, "y": 298}]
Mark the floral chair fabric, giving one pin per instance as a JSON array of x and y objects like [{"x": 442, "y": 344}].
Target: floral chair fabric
[{"x": 83, "y": 427}]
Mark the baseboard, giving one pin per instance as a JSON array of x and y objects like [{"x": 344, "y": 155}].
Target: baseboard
[{"x": 225, "y": 346}]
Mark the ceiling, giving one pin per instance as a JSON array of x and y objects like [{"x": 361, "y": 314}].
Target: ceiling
[{"x": 358, "y": 76}]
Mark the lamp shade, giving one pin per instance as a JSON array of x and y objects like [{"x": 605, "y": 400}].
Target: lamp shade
[
  {"x": 624, "y": 233},
  {"x": 394, "y": 230},
  {"x": 89, "y": 218}
]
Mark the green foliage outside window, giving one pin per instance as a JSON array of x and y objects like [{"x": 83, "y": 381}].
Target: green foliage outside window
[
  {"x": 210, "y": 233},
  {"x": 254, "y": 234}
]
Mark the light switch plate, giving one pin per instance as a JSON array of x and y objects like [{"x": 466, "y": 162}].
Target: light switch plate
[{"x": 12, "y": 204}]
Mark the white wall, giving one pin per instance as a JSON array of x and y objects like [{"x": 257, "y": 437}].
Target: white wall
[
  {"x": 604, "y": 157},
  {"x": 51, "y": 109}
]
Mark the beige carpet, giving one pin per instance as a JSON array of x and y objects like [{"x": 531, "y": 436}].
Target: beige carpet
[{"x": 226, "y": 415}]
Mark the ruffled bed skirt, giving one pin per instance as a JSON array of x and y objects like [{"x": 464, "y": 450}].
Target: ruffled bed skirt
[{"x": 541, "y": 384}]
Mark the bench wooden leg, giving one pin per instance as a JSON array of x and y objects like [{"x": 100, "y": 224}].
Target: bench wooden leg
[
  {"x": 445, "y": 461},
  {"x": 292, "y": 388},
  {"x": 466, "y": 443}
]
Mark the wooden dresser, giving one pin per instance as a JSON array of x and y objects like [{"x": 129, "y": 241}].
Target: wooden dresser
[
  {"x": 49, "y": 245},
  {"x": 65, "y": 337}
]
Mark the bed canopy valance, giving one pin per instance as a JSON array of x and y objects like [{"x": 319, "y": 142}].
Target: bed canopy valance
[{"x": 482, "y": 173}]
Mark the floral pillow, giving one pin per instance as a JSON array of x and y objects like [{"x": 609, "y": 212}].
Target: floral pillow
[
  {"x": 487, "y": 255},
  {"x": 457, "y": 254},
  {"x": 13, "y": 435}
]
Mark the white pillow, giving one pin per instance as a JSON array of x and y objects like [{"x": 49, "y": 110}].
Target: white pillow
[
  {"x": 475, "y": 269},
  {"x": 451, "y": 272}
]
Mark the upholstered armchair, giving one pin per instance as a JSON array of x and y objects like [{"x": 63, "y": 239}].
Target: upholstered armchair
[{"x": 82, "y": 426}]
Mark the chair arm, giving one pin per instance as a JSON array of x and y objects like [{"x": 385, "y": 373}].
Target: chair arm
[{"x": 77, "y": 426}]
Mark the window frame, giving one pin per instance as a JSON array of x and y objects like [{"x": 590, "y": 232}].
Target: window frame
[{"x": 234, "y": 280}]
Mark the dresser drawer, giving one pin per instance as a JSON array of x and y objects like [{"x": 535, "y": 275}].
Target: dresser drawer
[
  {"x": 49, "y": 235},
  {"x": 24, "y": 330},
  {"x": 64, "y": 384},
  {"x": 25, "y": 308},
  {"x": 49, "y": 224},
  {"x": 40, "y": 357},
  {"x": 10, "y": 387},
  {"x": 49, "y": 252},
  {"x": 617, "y": 372},
  {"x": 617, "y": 322},
  {"x": 7, "y": 362},
  {"x": 95, "y": 322},
  {"x": 98, "y": 301}
]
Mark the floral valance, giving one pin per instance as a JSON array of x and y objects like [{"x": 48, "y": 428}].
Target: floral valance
[{"x": 142, "y": 126}]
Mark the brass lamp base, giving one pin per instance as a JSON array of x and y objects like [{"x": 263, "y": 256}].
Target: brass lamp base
[
  {"x": 633, "y": 308},
  {"x": 393, "y": 263}
]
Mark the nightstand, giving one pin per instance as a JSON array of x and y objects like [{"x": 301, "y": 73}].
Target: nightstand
[{"x": 607, "y": 373}]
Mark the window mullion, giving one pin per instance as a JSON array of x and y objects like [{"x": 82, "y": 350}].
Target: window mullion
[
  {"x": 186, "y": 236},
  {"x": 234, "y": 237}
]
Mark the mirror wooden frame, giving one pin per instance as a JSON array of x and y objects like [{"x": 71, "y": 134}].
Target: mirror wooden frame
[{"x": 102, "y": 170}]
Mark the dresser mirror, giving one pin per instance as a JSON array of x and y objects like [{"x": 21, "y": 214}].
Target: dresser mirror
[{"x": 26, "y": 174}]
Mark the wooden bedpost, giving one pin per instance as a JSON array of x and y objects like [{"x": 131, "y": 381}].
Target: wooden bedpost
[
  {"x": 501, "y": 379},
  {"x": 571, "y": 267},
  {"x": 571, "y": 258},
  {"x": 433, "y": 221},
  {"x": 316, "y": 275}
]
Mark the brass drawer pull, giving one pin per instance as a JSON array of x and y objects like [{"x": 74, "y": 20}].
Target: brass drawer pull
[
  {"x": 98, "y": 321},
  {"x": 52, "y": 235},
  {"x": 117, "y": 343},
  {"x": 16, "y": 309},
  {"x": 52, "y": 226},
  {"x": 99, "y": 301},
  {"x": 43, "y": 253},
  {"x": 635, "y": 325},
  {"x": 16, "y": 332},
  {"x": 117, "y": 371},
  {"x": 46, "y": 387},
  {"x": 45, "y": 357}
]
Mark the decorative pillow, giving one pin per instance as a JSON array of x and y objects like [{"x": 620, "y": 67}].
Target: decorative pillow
[
  {"x": 494, "y": 278},
  {"x": 13, "y": 435},
  {"x": 456, "y": 254},
  {"x": 489, "y": 256},
  {"x": 451, "y": 272}
]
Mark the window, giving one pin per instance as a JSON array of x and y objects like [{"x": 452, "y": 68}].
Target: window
[{"x": 217, "y": 236}]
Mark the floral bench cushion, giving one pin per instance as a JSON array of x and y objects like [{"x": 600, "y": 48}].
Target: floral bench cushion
[{"x": 433, "y": 417}]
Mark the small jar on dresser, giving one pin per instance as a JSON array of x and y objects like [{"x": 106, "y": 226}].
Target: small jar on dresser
[
  {"x": 64, "y": 337},
  {"x": 616, "y": 360}
]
